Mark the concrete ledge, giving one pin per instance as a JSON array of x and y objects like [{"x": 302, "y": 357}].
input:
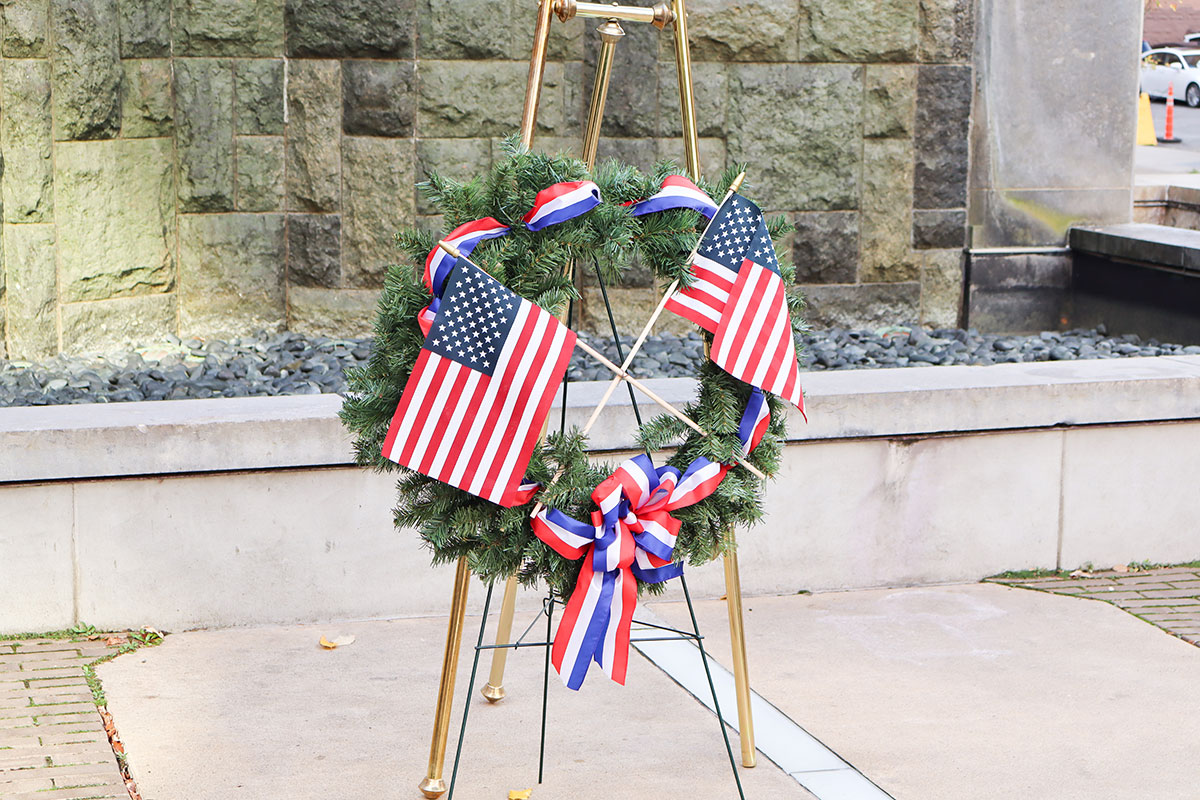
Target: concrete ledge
[
  {"x": 1140, "y": 242},
  {"x": 126, "y": 439},
  {"x": 216, "y": 513}
]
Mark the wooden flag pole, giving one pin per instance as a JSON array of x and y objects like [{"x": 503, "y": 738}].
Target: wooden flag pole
[{"x": 662, "y": 304}]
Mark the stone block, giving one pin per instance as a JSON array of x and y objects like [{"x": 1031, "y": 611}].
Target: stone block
[
  {"x": 314, "y": 173},
  {"x": 314, "y": 250},
  {"x": 107, "y": 325},
  {"x": 145, "y": 28},
  {"x": 947, "y": 30},
  {"x": 231, "y": 273},
  {"x": 146, "y": 105},
  {"x": 259, "y": 173},
  {"x": 751, "y": 30},
  {"x": 710, "y": 94},
  {"x": 867, "y": 305},
  {"x": 811, "y": 160},
  {"x": 228, "y": 27},
  {"x": 1039, "y": 217},
  {"x": 378, "y": 98},
  {"x": 25, "y": 29},
  {"x": 204, "y": 122},
  {"x": 887, "y": 212},
  {"x": 889, "y": 103},
  {"x": 36, "y": 539},
  {"x": 25, "y": 127},
  {"x": 351, "y": 28},
  {"x": 939, "y": 229},
  {"x": 450, "y": 29},
  {"x": 85, "y": 69},
  {"x": 825, "y": 247},
  {"x": 631, "y": 308},
  {"x": 332, "y": 312},
  {"x": 631, "y": 107},
  {"x": 641, "y": 153},
  {"x": 464, "y": 99},
  {"x": 258, "y": 89},
  {"x": 458, "y": 159},
  {"x": 859, "y": 30},
  {"x": 1018, "y": 292},
  {"x": 1103, "y": 463},
  {"x": 31, "y": 287},
  {"x": 713, "y": 154},
  {"x": 941, "y": 288},
  {"x": 116, "y": 218},
  {"x": 378, "y": 202},
  {"x": 941, "y": 136}
]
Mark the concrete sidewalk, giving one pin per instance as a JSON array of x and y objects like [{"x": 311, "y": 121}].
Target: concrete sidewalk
[{"x": 975, "y": 691}]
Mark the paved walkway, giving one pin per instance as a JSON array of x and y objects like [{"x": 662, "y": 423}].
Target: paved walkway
[
  {"x": 937, "y": 693},
  {"x": 1168, "y": 598},
  {"x": 53, "y": 745}
]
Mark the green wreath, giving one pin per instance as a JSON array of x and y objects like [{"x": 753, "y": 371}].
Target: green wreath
[{"x": 499, "y": 542}]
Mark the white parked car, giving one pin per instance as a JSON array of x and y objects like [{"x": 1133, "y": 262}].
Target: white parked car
[{"x": 1172, "y": 67}]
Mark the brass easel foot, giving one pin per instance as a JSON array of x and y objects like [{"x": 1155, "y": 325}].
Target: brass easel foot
[
  {"x": 433, "y": 787},
  {"x": 741, "y": 672},
  {"x": 494, "y": 690}
]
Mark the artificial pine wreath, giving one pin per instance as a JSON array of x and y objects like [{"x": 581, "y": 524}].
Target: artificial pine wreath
[{"x": 497, "y": 541}]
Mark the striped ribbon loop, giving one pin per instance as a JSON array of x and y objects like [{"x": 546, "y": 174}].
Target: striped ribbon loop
[
  {"x": 561, "y": 202},
  {"x": 554, "y": 204},
  {"x": 676, "y": 192}
]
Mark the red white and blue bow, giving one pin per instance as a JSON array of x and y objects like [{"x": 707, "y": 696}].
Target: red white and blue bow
[
  {"x": 676, "y": 192},
  {"x": 630, "y": 539}
]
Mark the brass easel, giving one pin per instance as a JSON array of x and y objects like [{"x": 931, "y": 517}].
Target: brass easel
[{"x": 610, "y": 32}]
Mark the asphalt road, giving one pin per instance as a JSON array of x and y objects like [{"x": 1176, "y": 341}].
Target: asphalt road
[
  {"x": 1187, "y": 124},
  {"x": 1175, "y": 159}
]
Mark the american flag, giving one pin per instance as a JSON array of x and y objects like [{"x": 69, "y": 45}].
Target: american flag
[
  {"x": 475, "y": 402},
  {"x": 739, "y": 296}
]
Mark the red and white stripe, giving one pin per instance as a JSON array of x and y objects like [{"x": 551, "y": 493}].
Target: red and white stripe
[
  {"x": 753, "y": 342},
  {"x": 703, "y": 301},
  {"x": 461, "y": 427},
  {"x": 676, "y": 192}
]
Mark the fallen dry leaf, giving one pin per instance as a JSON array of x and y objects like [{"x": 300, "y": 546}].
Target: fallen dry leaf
[
  {"x": 1120, "y": 568},
  {"x": 520, "y": 794},
  {"x": 113, "y": 641},
  {"x": 341, "y": 641}
]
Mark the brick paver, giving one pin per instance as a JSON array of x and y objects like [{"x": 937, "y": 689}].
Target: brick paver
[
  {"x": 52, "y": 740},
  {"x": 1168, "y": 597}
]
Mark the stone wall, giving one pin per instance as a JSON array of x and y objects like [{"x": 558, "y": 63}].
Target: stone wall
[{"x": 205, "y": 167}]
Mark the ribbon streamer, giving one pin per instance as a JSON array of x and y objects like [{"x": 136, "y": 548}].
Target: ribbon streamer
[
  {"x": 630, "y": 539},
  {"x": 676, "y": 192}
]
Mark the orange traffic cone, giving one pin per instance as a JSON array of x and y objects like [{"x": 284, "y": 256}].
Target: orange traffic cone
[{"x": 1168, "y": 136}]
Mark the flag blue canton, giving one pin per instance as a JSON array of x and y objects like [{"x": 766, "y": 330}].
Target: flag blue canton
[
  {"x": 739, "y": 231},
  {"x": 476, "y": 316}
]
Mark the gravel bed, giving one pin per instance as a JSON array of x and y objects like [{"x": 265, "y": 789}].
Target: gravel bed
[{"x": 290, "y": 363}]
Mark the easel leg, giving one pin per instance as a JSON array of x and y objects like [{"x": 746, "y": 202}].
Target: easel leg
[
  {"x": 687, "y": 104},
  {"x": 712, "y": 688},
  {"x": 494, "y": 689},
  {"x": 546, "y": 684},
  {"x": 433, "y": 785},
  {"x": 462, "y": 732},
  {"x": 737, "y": 638}
]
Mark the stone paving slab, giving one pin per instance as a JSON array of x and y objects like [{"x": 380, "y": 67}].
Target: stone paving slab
[
  {"x": 52, "y": 740},
  {"x": 977, "y": 691},
  {"x": 1168, "y": 597},
  {"x": 285, "y": 719}
]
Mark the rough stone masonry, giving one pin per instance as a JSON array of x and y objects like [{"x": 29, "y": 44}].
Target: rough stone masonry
[{"x": 205, "y": 167}]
